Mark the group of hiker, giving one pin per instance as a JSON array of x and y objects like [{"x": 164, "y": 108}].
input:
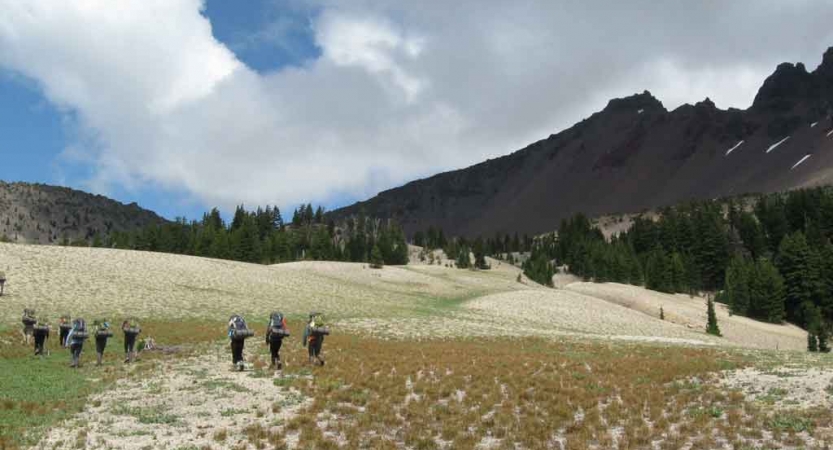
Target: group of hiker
[
  {"x": 74, "y": 333},
  {"x": 276, "y": 332}
]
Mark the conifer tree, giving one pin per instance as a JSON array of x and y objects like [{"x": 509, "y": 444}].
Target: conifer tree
[
  {"x": 463, "y": 258},
  {"x": 376, "y": 260},
  {"x": 737, "y": 285},
  {"x": 766, "y": 288},
  {"x": 802, "y": 279},
  {"x": 711, "y": 327}
]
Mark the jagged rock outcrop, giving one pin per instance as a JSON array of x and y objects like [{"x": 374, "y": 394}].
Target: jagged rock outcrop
[{"x": 634, "y": 155}]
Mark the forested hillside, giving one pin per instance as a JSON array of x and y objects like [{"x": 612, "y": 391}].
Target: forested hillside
[
  {"x": 771, "y": 260},
  {"x": 261, "y": 236}
]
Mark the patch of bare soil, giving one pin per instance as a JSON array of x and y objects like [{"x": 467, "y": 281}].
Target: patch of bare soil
[
  {"x": 785, "y": 387},
  {"x": 195, "y": 402}
]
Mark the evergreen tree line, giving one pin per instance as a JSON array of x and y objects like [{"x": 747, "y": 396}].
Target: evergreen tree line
[
  {"x": 772, "y": 261},
  {"x": 497, "y": 246},
  {"x": 261, "y": 236}
]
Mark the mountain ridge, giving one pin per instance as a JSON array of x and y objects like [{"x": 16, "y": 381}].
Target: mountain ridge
[
  {"x": 38, "y": 213},
  {"x": 633, "y": 155}
]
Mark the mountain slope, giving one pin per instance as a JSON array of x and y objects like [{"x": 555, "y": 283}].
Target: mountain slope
[
  {"x": 631, "y": 156},
  {"x": 42, "y": 214}
]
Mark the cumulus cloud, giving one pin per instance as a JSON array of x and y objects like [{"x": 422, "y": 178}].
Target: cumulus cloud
[{"x": 400, "y": 89}]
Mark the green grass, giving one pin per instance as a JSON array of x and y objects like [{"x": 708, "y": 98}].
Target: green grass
[
  {"x": 38, "y": 392},
  {"x": 148, "y": 415}
]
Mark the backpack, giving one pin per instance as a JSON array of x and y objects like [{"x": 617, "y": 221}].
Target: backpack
[
  {"x": 317, "y": 320},
  {"x": 29, "y": 317},
  {"x": 132, "y": 326},
  {"x": 276, "y": 320},
  {"x": 102, "y": 328},
  {"x": 238, "y": 323},
  {"x": 238, "y": 329},
  {"x": 317, "y": 325},
  {"x": 277, "y": 330},
  {"x": 79, "y": 327}
]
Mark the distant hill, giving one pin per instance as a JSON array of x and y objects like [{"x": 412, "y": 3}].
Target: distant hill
[
  {"x": 42, "y": 214},
  {"x": 631, "y": 156}
]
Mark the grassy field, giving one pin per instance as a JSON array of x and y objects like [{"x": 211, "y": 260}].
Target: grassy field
[{"x": 422, "y": 357}]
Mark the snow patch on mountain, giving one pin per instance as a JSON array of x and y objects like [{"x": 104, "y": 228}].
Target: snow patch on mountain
[
  {"x": 775, "y": 145},
  {"x": 800, "y": 161},
  {"x": 733, "y": 148}
]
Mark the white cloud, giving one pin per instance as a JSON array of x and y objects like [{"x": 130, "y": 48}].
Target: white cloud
[{"x": 401, "y": 89}]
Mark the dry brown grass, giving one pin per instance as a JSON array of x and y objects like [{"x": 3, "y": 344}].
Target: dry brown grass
[{"x": 533, "y": 394}]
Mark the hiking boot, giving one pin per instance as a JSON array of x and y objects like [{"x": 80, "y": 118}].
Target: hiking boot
[{"x": 280, "y": 365}]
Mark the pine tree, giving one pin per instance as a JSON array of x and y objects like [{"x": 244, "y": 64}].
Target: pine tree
[
  {"x": 752, "y": 235},
  {"x": 766, "y": 289},
  {"x": 802, "y": 279},
  {"x": 463, "y": 258},
  {"x": 711, "y": 326},
  {"x": 737, "y": 285},
  {"x": 376, "y": 261},
  {"x": 712, "y": 253},
  {"x": 239, "y": 216}
]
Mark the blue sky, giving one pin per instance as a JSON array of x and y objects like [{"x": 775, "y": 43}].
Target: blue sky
[
  {"x": 266, "y": 35},
  {"x": 182, "y": 105}
]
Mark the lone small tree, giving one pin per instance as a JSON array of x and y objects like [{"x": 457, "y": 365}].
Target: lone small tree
[
  {"x": 711, "y": 327},
  {"x": 376, "y": 260}
]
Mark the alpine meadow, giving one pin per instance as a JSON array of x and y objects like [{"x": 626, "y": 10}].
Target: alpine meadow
[{"x": 309, "y": 224}]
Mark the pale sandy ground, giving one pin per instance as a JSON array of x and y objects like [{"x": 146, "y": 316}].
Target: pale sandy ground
[
  {"x": 393, "y": 302},
  {"x": 413, "y": 302},
  {"x": 690, "y": 312},
  {"x": 184, "y": 403},
  {"x": 785, "y": 387}
]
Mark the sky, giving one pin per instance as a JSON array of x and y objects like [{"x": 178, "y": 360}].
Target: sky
[{"x": 183, "y": 105}]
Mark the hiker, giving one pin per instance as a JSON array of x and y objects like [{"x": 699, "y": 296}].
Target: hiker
[
  {"x": 41, "y": 333},
  {"x": 29, "y": 322},
  {"x": 75, "y": 341},
  {"x": 275, "y": 332},
  {"x": 314, "y": 337},
  {"x": 64, "y": 325},
  {"x": 131, "y": 330},
  {"x": 237, "y": 333},
  {"x": 102, "y": 332},
  {"x": 2, "y": 282}
]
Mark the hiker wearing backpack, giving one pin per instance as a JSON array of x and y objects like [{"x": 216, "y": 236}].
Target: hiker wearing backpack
[
  {"x": 102, "y": 332},
  {"x": 41, "y": 333},
  {"x": 131, "y": 330},
  {"x": 64, "y": 325},
  {"x": 75, "y": 341},
  {"x": 29, "y": 322},
  {"x": 314, "y": 337},
  {"x": 275, "y": 332},
  {"x": 238, "y": 331}
]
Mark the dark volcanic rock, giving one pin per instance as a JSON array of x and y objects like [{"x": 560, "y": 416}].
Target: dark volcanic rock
[
  {"x": 42, "y": 214},
  {"x": 631, "y": 156}
]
